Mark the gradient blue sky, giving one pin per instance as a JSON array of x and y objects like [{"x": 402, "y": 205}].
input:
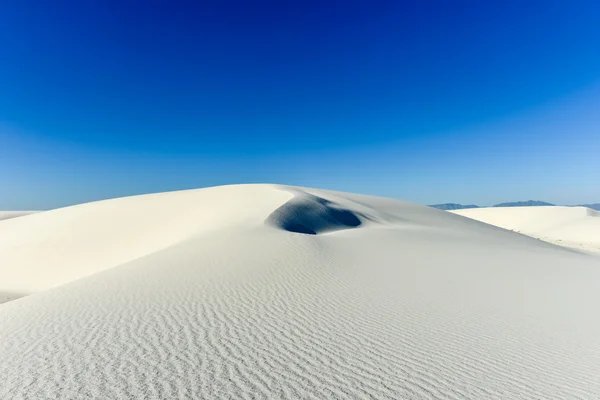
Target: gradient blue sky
[{"x": 428, "y": 101}]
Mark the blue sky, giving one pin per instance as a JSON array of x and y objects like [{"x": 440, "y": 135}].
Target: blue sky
[{"x": 428, "y": 101}]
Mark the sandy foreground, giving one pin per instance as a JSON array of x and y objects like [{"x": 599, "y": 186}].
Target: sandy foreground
[
  {"x": 574, "y": 227},
  {"x": 274, "y": 292}
]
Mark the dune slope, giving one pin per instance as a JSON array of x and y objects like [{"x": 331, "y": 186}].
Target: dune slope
[
  {"x": 575, "y": 227},
  {"x": 263, "y": 292},
  {"x": 13, "y": 214}
]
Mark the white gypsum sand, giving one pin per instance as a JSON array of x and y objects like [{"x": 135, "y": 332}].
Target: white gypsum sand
[
  {"x": 13, "y": 214},
  {"x": 575, "y": 227},
  {"x": 266, "y": 292}
]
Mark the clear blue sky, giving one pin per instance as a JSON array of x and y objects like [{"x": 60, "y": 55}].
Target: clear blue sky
[{"x": 462, "y": 101}]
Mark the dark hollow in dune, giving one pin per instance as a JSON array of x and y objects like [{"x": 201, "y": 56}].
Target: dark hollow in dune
[{"x": 312, "y": 215}]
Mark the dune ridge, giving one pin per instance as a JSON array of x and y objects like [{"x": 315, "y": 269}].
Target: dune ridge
[{"x": 224, "y": 298}]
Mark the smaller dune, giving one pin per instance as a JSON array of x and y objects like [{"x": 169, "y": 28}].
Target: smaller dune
[
  {"x": 574, "y": 227},
  {"x": 312, "y": 215}
]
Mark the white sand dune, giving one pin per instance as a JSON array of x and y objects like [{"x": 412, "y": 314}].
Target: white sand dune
[
  {"x": 14, "y": 214},
  {"x": 272, "y": 292},
  {"x": 575, "y": 227}
]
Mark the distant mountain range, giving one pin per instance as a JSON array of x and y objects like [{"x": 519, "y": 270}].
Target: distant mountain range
[
  {"x": 528, "y": 203},
  {"x": 452, "y": 206},
  {"x": 595, "y": 206}
]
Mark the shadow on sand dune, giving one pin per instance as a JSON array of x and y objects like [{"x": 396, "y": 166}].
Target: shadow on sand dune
[{"x": 313, "y": 215}]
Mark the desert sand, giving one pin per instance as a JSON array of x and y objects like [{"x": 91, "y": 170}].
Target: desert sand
[
  {"x": 275, "y": 292},
  {"x": 14, "y": 214},
  {"x": 575, "y": 227}
]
